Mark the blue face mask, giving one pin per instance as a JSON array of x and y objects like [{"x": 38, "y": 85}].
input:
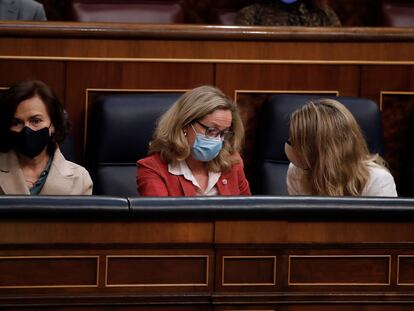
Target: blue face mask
[
  {"x": 288, "y": 1},
  {"x": 205, "y": 148}
]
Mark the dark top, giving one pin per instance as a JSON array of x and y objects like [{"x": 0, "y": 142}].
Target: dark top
[
  {"x": 38, "y": 185},
  {"x": 277, "y": 13}
]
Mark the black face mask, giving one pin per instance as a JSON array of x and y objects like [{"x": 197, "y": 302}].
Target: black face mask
[{"x": 30, "y": 143}]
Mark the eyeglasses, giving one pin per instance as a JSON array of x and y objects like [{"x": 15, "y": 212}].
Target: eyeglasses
[
  {"x": 215, "y": 132},
  {"x": 289, "y": 142}
]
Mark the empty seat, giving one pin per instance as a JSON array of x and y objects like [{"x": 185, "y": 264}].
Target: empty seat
[
  {"x": 398, "y": 13},
  {"x": 224, "y": 12},
  {"x": 124, "y": 11},
  {"x": 272, "y": 162},
  {"x": 120, "y": 127}
]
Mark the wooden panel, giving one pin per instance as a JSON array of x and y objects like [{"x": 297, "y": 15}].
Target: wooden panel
[
  {"x": 398, "y": 117},
  {"x": 38, "y": 271},
  {"x": 157, "y": 270},
  {"x": 249, "y": 271},
  {"x": 397, "y": 114},
  {"x": 405, "y": 270},
  {"x": 50, "y": 72},
  {"x": 106, "y": 232},
  {"x": 339, "y": 270},
  {"x": 349, "y": 232},
  {"x": 190, "y": 48},
  {"x": 310, "y": 232},
  {"x": 250, "y": 231},
  {"x": 306, "y": 77}
]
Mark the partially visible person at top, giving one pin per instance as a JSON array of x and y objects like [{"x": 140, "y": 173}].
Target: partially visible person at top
[
  {"x": 32, "y": 124},
  {"x": 195, "y": 149},
  {"x": 22, "y": 10},
  {"x": 313, "y": 13},
  {"x": 329, "y": 155}
]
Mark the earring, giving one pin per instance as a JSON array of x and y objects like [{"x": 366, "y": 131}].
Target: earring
[{"x": 185, "y": 133}]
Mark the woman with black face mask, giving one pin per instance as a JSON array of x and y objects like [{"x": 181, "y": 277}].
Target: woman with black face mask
[
  {"x": 32, "y": 124},
  {"x": 313, "y": 13}
]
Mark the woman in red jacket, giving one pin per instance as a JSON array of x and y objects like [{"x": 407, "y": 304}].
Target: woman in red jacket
[{"x": 195, "y": 149}]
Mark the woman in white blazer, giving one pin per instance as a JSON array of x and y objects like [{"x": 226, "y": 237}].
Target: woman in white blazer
[{"x": 32, "y": 124}]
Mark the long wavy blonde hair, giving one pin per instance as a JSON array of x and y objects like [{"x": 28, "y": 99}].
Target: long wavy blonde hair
[
  {"x": 330, "y": 145},
  {"x": 170, "y": 141}
]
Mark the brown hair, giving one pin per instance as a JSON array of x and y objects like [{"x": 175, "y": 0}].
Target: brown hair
[
  {"x": 330, "y": 144},
  {"x": 169, "y": 139}
]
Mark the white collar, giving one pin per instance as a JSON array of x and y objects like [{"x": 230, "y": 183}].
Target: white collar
[{"x": 182, "y": 169}]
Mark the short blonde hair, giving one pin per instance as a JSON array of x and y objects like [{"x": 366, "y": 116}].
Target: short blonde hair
[
  {"x": 169, "y": 139},
  {"x": 331, "y": 146}
]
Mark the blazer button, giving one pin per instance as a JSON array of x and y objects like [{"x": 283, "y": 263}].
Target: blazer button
[{"x": 224, "y": 181}]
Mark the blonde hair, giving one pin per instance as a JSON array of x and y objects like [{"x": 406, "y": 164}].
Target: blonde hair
[
  {"x": 169, "y": 138},
  {"x": 330, "y": 145}
]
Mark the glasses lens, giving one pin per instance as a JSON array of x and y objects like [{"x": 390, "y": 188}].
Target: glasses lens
[
  {"x": 227, "y": 135},
  {"x": 212, "y": 132}
]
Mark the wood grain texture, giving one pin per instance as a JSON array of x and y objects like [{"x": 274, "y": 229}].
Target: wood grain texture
[{"x": 51, "y": 72}]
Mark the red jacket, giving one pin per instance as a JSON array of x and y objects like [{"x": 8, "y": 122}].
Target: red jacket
[{"x": 153, "y": 179}]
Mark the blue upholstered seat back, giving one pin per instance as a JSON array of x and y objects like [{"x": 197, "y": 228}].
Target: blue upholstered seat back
[{"x": 120, "y": 127}]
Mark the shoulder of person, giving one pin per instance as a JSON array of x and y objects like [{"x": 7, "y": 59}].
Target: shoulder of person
[
  {"x": 152, "y": 161},
  {"x": 378, "y": 171},
  {"x": 30, "y": 4},
  {"x": 33, "y": 3},
  {"x": 77, "y": 169},
  {"x": 65, "y": 167},
  {"x": 381, "y": 182}
]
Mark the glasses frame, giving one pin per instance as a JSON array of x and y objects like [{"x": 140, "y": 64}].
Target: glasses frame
[{"x": 224, "y": 134}]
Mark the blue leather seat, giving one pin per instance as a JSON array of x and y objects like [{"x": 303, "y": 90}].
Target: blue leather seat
[
  {"x": 120, "y": 127},
  {"x": 274, "y": 130}
]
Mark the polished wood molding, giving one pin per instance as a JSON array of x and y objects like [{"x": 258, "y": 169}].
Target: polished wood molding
[{"x": 196, "y": 32}]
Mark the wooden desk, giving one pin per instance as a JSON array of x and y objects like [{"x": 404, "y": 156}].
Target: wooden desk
[{"x": 253, "y": 253}]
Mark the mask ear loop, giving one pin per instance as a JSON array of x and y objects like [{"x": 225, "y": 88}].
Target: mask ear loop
[{"x": 195, "y": 132}]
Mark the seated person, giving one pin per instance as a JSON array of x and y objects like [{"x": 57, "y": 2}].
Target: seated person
[
  {"x": 21, "y": 10},
  {"x": 329, "y": 155},
  {"x": 287, "y": 13},
  {"x": 195, "y": 148},
  {"x": 32, "y": 124}
]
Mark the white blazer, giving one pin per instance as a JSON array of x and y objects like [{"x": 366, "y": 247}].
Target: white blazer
[{"x": 64, "y": 178}]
